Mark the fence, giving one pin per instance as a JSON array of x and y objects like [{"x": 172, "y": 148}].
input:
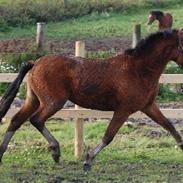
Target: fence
[{"x": 79, "y": 113}]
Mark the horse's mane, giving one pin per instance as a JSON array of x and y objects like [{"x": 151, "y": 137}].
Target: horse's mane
[
  {"x": 157, "y": 13},
  {"x": 146, "y": 45}
]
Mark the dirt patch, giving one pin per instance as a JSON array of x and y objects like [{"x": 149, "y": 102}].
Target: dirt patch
[
  {"x": 172, "y": 105},
  {"x": 155, "y": 133},
  {"x": 16, "y": 45},
  {"x": 65, "y": 46},
  {"x": 55, "y": 179},
  {"x": 147, "y": 121}
]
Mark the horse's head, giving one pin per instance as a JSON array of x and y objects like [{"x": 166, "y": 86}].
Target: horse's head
[
  {"x": 177, "y": 55},
  {"x": 153, "y": 15}
]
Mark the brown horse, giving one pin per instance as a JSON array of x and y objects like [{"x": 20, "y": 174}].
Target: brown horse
[
  {"x": 124, "y": 84},
  {"x": 165, "y": 20}
]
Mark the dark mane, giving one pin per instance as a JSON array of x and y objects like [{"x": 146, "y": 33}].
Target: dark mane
[
  {"x": 146, "y": 45},
  {"x": 157, "y": 13}
]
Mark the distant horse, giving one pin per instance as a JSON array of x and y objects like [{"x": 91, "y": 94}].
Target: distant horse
[
  {"x": 125, "y": 84},
  {"x": 165, "y": 20}
]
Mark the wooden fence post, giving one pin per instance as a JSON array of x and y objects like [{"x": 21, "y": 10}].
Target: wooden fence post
[
  {"x": 65, "y": 4},
  {"x": 40, "y": 40},
  {"x": 79, "y": 52},
  {"x": 136, "y": 35}
]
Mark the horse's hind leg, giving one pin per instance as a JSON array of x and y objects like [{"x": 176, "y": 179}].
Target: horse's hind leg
[
  {"x": 155, "y": 114},
  {"x": 38, "y": 120},
  {"x": 30, "y": 106}
]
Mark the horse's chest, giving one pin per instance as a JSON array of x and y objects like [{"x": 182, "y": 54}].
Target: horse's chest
[{"x": 138, "y": 95}]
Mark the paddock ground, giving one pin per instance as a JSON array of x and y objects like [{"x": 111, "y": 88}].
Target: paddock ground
[
  {"x": 58, "y": 46},
  {"x": 139, "y": 154}
]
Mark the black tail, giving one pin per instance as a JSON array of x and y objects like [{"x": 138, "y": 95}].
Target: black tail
[{"x": 13, "y": 88}]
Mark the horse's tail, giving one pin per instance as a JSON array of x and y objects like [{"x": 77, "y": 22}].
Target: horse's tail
[{"x": 13, "y": 88}]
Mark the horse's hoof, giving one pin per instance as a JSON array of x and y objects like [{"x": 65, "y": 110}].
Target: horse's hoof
[{"x": 86, "y": 167}]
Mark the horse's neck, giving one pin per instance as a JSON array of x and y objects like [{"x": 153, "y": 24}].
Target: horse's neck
[
  {"x": 164, "y": 22},
  {"x": 154, "y": 64},
  {"x": 161, "y": 22}
]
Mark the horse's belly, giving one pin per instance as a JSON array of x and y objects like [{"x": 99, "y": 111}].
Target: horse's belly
[{"x": 104, "y": 103}]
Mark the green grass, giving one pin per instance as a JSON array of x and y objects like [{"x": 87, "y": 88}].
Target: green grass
[
  {"x": 134, "y": 156},
  {"x": 97, "y": 25},
  {"x": 25, "y": 12}
]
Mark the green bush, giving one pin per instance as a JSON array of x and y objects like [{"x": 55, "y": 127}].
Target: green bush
[
  {"x": 101, "y": 54},
  {"x": 168, "y": 93},
  {"x": 3, "y": 25},
  {"x": 3, "y": 88},
  {"x": 10, "y": 63},
  {"x": 172, "y": 68}
]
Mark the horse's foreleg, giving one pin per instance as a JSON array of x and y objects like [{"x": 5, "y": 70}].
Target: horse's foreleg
[
  {"x": 155, "y": 114},
  {"x": 38, "y": 121},
  {"x": 113, "y": 127}
]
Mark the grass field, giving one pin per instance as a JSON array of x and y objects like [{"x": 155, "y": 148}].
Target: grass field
[
  {"x": 97, "y": 25},
  {"x": 138, "y": 154}
]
